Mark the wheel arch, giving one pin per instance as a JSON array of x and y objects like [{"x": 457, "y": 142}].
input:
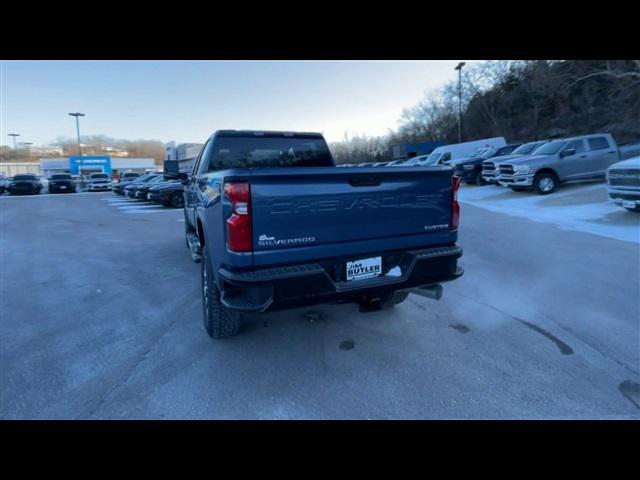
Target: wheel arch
[
  {"x": 548, "y": 170},
  {"x": 200, "y": 231}
]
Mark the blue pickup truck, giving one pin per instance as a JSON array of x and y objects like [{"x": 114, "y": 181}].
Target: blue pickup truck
[{"x": 276, "y": 225}]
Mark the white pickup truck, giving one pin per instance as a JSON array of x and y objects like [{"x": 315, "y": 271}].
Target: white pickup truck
[{"x": 623, "y": 183}]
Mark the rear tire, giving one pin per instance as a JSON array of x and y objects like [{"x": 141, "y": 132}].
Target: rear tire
[
  {"x": 219, "y": 321},
  {"x": 186, "y": 229},
  {"x": 545, "y": 183},
  {"x": 176, "y": 200}
]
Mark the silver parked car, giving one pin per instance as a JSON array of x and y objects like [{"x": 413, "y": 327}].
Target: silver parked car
[
  {"x": 490, "y": 169},
  {"x": 572, "y": 159},
  {"x": 99, "y": 182},
  {"x": 623, "y": 183}
]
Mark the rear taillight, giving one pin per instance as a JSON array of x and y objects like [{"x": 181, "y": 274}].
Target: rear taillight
[
  {"x": 239, "y": 238},
  {"x": 455, "y": 206}
]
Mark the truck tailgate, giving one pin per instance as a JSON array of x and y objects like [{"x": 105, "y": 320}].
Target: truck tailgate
[{"x": 314, "y": 210}]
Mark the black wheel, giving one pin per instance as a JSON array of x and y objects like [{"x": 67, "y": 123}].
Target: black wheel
[
  {"x": 545, "y": 183},
  {"x": 219, "y": 321},
  {"x": 479, "y": 179},
  {"x": 176, "y": 200},
  {"x": 395, "y": 298}
]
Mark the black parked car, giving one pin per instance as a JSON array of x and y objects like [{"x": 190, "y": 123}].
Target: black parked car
[
  {"x": 61, "y": 182},
  {"x": 25, "y": 184},
  {"x": 470, "y": 169},
  {"x": 128, "y": 176},
  {"x": 142, "y": 190},
  {"x": 119, "y": 187},
  {"x": 130, "y": 189},
  {"x": 168, "y": 194}
]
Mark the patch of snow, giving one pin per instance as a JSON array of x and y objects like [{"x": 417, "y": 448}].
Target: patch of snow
[{"x": 560, "y": 208}]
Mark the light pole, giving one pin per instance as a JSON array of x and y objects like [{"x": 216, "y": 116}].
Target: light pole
[
  {"x": 78, "y": 114},
  {"x": 27, "y": 145},
  {"x": 14, "y": 135},
  {"x": 459, "y": 69}
]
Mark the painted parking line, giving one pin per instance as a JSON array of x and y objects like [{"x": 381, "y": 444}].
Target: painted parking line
[
  {"x": 134, "y": 206},
  {"x": 161, "y": 209},
  {"x": 143, "y": 205}
]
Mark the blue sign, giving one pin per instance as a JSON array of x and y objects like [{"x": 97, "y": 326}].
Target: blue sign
[{"x": 101, "y": 163}]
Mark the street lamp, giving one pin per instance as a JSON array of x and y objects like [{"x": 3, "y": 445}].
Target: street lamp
[
  {"x": 78, "y": 114},
  {"x": 459, "y": 69},
  {"x": 14, "y": 135},
  {"x": 27, "y": 145}
]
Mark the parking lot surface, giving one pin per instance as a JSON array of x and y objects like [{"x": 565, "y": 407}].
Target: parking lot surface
[{"x": 101, "y": 317}]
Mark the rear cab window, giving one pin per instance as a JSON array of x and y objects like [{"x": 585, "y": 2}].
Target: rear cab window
[
  {"x": 505, "y": 150},
  {"x": 598, "y": 143},
  {"x": 268, "y": 151},
  {"x": 61, "y": 176}
]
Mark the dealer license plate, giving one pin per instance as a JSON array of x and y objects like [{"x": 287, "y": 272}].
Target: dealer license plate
[
  {"x": 148, "y": 196},
  {"x": 365, "y": 268}
]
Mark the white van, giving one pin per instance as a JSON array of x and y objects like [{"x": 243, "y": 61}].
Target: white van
[{"x": 447, "y": 153}]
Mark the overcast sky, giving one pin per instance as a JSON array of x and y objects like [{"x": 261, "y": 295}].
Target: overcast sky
[{"x": 187, "y": 101}]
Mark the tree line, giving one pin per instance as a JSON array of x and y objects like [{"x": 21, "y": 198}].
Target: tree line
[
  {"x": 518, "y": 100},
  {"x": 95, "y": 145}
]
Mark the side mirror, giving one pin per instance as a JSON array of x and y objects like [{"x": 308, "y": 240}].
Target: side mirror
[
  {"x": 171, "y": 167},
  {"x": 184, "y": 178},
  {"x": 568, "y": 152}
]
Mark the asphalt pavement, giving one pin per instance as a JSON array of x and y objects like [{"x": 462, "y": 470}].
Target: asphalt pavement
[{"x": 101, "y": 317}]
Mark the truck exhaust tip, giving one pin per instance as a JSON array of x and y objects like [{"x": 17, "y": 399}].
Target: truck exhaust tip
[{"x": 432, "y": 291}]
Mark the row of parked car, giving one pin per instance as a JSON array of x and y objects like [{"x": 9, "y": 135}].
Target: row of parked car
[
  {"x": 542, "y": 165},
  {"x": 152, "y": 187},
  {"x": 31, "y": 184}
]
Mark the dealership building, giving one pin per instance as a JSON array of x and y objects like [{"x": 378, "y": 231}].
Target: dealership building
[
  {"x": 184, "y": 153},
  {"x": 89, "y": 164}
]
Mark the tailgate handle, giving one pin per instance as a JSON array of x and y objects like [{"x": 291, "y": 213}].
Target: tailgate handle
[{"x": 364, "y": 181}]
